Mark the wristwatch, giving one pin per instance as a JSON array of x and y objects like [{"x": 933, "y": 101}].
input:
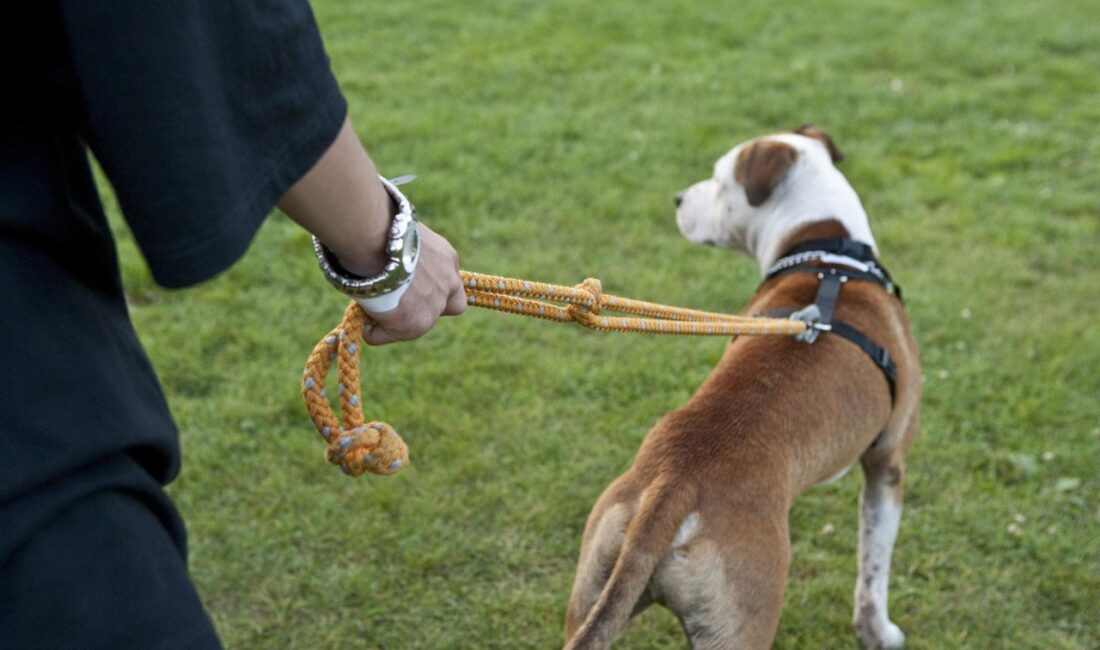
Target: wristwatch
[{"x": 381, "y": 292}]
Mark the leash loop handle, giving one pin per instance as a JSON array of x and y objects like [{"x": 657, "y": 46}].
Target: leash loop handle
[{"x": 353, "y": 445}]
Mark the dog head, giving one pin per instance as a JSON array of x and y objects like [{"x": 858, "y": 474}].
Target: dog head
[{"x": 763, "y": 189}]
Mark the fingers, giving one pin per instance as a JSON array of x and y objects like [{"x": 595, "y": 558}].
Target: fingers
[
  {"x": 394, "y": 330},
  {"x": 436, "y": 290},
  {"x": 456, "y": 293},
  {"x": 456, "y": 302},
  {"x": 375, "y": 335}
]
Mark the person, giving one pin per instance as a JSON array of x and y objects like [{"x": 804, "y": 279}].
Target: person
[{"x": 203, "y": 115}]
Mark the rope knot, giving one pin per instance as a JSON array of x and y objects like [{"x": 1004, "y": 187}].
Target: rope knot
[
  {"x": 586, "y": 307},
  {"x": 374, "y": 448}
]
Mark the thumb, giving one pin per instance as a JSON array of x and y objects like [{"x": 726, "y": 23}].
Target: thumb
[{"x": 375, "y": 334}]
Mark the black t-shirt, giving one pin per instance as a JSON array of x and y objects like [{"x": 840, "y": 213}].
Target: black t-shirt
[{"x": 202, "y": 113}]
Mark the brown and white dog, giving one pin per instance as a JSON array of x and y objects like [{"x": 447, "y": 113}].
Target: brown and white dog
[{"x": 699, "y": 523}]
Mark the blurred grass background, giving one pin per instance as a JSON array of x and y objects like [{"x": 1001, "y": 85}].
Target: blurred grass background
[{"x": 549, "y": 138}]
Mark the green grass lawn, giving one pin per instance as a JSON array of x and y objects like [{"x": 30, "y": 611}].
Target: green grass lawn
[{"x": 550, "y": 138}]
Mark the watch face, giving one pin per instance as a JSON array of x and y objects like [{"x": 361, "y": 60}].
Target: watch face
[{"x": 410, "y": 248}]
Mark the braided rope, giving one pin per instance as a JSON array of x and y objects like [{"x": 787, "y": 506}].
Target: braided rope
[{"x": 375, "y": 447}]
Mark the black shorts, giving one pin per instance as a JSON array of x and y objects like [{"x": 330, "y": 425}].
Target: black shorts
[{"x": 98, "y": 561}]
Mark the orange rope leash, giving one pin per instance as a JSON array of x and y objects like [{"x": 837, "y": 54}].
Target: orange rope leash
[{"x": 375, "y": 447}]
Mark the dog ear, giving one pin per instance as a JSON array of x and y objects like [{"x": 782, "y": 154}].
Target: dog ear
[
  {"x": 760, "y": 166},
  {"x": 811, "y": 131}
]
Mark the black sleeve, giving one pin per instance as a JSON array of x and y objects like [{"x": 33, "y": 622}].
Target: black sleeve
[{"x": 202, "y": 114}]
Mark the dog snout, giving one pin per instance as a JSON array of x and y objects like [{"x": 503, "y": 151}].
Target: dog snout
[{"x": 678, "y": 199}]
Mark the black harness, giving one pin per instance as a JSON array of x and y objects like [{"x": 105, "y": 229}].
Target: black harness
[{"x": 861, "y": 266}]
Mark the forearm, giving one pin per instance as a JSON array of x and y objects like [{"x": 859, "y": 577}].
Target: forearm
[{"x": 341, "y": 202}]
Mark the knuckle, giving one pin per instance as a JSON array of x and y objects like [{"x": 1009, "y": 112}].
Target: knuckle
[
  {"x": 412, "y": 324},
  {"x": 423, "y": 323}
]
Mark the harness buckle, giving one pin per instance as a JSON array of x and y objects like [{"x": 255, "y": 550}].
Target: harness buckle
[{"x": 811, "y": 315}]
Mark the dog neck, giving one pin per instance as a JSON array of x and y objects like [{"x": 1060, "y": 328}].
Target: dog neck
[
  {"x": 824, "y": 203},
  {"x": 824, "y": 229}
]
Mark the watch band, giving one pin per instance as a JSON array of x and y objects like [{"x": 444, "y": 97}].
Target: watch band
[{"x": 385, "y": 302}]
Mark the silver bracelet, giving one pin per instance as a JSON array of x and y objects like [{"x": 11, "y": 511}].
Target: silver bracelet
[{"x": 402, "y": 248}]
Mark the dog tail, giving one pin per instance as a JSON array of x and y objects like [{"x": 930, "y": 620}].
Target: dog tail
[{"x": 663, "y": 506}]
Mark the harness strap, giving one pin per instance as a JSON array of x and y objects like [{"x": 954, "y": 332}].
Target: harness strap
[
  {"x": 853, "y": 274},
  {"x": 819, "y": 314},
  {"x": 879, "y": 355},
  {"x": 828, "y": 290},
  {"x": 860, "y": 260}
]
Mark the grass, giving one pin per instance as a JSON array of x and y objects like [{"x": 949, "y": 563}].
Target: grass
[{"x": 550, "y": 137}]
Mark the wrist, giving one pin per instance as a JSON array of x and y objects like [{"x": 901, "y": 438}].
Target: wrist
[
  {"x": 401, "y": 254},
  {"x": 366, "y": 256}
]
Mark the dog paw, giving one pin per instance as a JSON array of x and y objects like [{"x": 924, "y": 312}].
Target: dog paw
[{"x": 878, "y": 636}]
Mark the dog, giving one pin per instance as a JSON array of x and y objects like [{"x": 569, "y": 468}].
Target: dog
[{"x": 699, "y": 523}]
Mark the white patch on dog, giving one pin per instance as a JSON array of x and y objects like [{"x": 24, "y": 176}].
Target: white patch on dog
[
  {"x": 687, "y": 530},
  {"x": 880, "y": 516},
  {"x": 692, "y": 581},
  {"x": 836, "y": 477}
]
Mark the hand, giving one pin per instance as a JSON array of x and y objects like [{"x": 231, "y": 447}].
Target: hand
[{"x": 436, "y": 290}]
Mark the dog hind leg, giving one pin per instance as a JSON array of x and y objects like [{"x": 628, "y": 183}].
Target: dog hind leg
[
  {"x": 880, "y": 513},
  {"x": 726, "y": 587}
]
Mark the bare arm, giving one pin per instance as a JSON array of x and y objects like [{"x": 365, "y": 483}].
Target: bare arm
[{"x": 341, "y": 202}]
